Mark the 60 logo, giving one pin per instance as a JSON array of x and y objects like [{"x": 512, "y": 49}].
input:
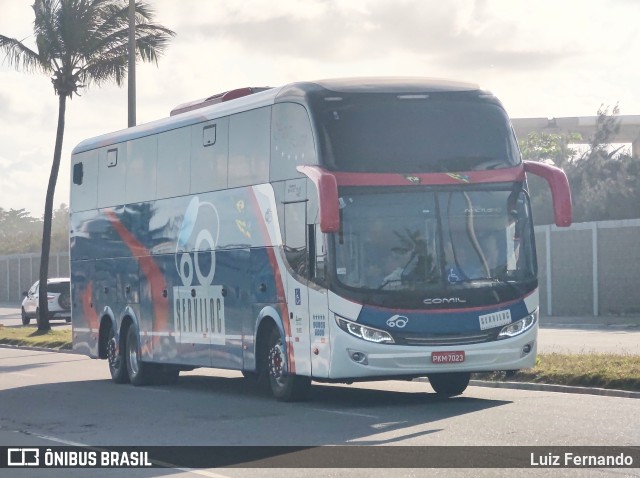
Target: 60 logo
[{"x": 204, "y": 240}]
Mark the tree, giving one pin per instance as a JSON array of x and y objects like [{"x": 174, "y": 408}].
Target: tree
[
  {"x": 21, "y": 233},
  {"x": 605, "y": 181},
  {"x": 60, "y": 229},
  {"x": 552, "y": 149},
  {"x": 79, "y": 43},
  {"x": 18, "y": 231}
]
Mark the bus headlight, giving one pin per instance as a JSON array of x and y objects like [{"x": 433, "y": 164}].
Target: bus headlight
[
  {"x": 365, "y": 333},
  {"x": 519, "y": 327}
]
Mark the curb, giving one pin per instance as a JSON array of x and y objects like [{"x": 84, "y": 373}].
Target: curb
[
  {"x": 38, "y": 349},
  {"x": 546, "y": 387}
]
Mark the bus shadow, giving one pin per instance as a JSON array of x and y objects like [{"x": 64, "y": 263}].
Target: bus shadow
[
  {"x": 377, "y": 412},
  {"x": 219, "y": 410}
]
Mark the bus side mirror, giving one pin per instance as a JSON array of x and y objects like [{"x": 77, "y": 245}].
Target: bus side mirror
[
  {"x": 560, "y": 192},
  {"x": 327, "y": 187}
]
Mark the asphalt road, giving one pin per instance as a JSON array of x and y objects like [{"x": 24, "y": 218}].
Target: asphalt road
[{"x": 53, "y": 399}]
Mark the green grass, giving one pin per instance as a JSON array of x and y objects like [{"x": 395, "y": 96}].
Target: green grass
[
  {"x": 31, "y": 337},
  {"x": 621, "y": 372}
]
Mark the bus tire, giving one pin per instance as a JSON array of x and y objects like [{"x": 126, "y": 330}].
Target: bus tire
[
  {"x": 284, "y": 386},
  {"x": 140, "y": 373},
  {"x": 115, "y": 358},
  {"x": 449, "y": 384}
]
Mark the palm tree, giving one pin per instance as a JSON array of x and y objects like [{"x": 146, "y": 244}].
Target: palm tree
[{"x": 79, "y": 43}]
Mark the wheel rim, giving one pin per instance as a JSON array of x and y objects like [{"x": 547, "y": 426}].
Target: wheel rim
[
  {"x": 112, "y": 354},
  {"x": 134, "y": 363},
  {"x": 277, "y": 364}
]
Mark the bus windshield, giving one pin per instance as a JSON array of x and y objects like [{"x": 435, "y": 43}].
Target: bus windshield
[
  {"x": 424, "y": 240},
  {"x": 414, "y": 133}
]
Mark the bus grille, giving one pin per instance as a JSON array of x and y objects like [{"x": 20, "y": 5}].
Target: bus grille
[{"x": 444, "y": 340}]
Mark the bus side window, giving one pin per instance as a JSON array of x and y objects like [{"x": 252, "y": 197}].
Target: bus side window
[
  {"x": 295, "y": 236},
  {"x": 249, "y": 140},
  {"x": 209, "y": 155},
  {"x": 292, "y": 141}
]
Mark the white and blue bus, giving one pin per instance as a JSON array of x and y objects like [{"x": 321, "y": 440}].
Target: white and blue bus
[{"x": 329, "y": 231}]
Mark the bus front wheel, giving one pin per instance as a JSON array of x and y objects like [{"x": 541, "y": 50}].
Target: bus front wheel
[
  {"x": 284, "y": 386},
  {"x": 449, "y": 384}
]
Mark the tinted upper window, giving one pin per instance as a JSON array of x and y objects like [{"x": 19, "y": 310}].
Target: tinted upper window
[{"x": 435, "y": 132}]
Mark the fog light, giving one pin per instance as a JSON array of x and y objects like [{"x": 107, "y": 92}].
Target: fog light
[
  {"x": 527, "y": 349},
  {"x": 359, "y": 357}
]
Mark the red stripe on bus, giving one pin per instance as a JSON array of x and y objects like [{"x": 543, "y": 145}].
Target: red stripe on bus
[
  {"x": 280, "y": 289},
  {"x": 151, "y": 271},
  {"x": 90, "y": 314},
  {"x": 431, "y": 179},
  {"x": 453, "y": 311}
]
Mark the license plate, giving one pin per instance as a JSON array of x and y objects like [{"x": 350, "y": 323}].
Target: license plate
[{"x": 447, "y": 357}]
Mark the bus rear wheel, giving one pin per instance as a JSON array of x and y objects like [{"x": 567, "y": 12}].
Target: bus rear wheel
[
  {"x": 115, "y": 359},
  {"x": 284, "y": 386},
  {"x": 140, "y": 373},
  {"x": 449, "y": 384}
]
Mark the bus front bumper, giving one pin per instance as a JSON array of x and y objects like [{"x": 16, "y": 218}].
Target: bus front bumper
[{"x": 356, "y": 358}]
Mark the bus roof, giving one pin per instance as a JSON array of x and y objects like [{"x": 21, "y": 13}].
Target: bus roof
[
  {"x": 390, "y": 85},
  {"x": 267, "y": 97}
]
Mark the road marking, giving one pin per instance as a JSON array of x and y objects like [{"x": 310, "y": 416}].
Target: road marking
[
  {"x": 23, "y": 374},
  {"x": 57, "y": 440},
  {"x": 201, "y": 472},
  {"x": 344, "y": 413}
]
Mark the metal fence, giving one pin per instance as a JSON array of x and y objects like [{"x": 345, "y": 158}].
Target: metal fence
[
  {"x": 19, "y": 272},
  {"x": 588, "y": 269}
]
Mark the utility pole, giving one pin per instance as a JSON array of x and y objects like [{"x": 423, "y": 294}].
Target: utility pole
[{"x": 132, "y": 63}]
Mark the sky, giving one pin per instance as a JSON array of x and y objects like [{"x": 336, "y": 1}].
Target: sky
[{"x": 543, "y": 58}]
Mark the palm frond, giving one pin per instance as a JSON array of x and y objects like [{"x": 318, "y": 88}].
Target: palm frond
[
  {"x": 107, "y": 69},
  {"x": 44, "y": 28},
  {"x": 21, "y": 56},
  {"x": 86, "y": 41}
]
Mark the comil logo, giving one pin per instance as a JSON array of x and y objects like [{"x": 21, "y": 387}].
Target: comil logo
[
  {"x": 443, "y": 300},
  {"x": 23, "y": 457}
]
